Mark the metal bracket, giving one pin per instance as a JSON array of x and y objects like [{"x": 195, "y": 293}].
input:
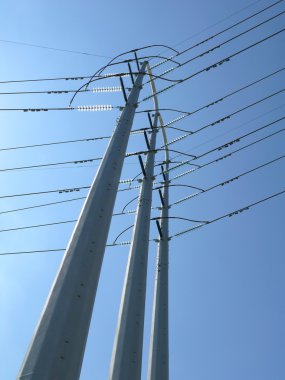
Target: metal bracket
[
  {"x": 142, "y": 165},
  {"x": 159, "y": 229},
  {"x": 131, "y": 73},
  {"x": 123, "y": 89},
  {"x": 161, "y": 197},
  {"x": 146, "y": 140}
]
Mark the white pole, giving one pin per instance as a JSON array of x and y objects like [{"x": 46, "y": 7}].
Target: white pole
[
  {"x": 57, "y": 348},
  {"x": 127, "y": 350}
]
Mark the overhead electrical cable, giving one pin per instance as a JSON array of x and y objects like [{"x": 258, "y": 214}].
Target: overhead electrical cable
[
  {"x": 53, "y": 48},
  {"x": 155, "y": 183},
  {"x": 222, "y": 43},
  {"x": 198, "y": 167},
  {"x": 226, "y": 182},
  {"x": 227, "y": 117},
  {"x": 34, "y": 251},
  {"x": 224, "y": 30},
  {"x": 82, "y": 77},
  {"x": 40, "y": 205},
  {"x": 233, "y": 213},
  {"x": 87, "y": 139},
  {"x": 216, "y": 64},
  {"x": 214, "y": 102}
]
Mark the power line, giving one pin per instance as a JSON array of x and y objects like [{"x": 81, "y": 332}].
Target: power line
[
  {"x": 46, "y": 79},
  {"x": 233, "y": 213},
  {"x": 62, "y": 191},
  {"x": 80, "y": 161},
  {"x": 190, "y": 133},
  {"x": 226, "y": 182},
  {"x": 230, "y": 27},
  {"x": 53, "y": 48},
  {"x": 214, "y": 102},
  {"x": 55, "y": 143},
  {"x": 225, "y": 156},
  {"x": 227, "y": 117},
  {"x": 179, "y": 176},
  {"x": 51, "y": 164},
  {"x": 93, "y": 90},
  {"x": 87, "y": 139},
  {"x": 41, "y": 205},
  {"x": 82, "y": 77},
  {"x": 35, "y": 251},
  {"x": 59, "y": 191},
  {"x": 223, "y": 43},
  {"x": 240, "y": 137},
  {"x": 216, "y": 64},
  {"x": 200, "y": 55},
  {"x": 62, "y": 92},
  {"x": 38, "y": 225},
  {"x": 99, "y": 107},
  {"x": 231, "y": 130}
]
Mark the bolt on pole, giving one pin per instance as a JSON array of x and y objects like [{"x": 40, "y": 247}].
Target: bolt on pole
[
  {"x": 57, "y": 348},
  {"x": 128, "y": 343}
]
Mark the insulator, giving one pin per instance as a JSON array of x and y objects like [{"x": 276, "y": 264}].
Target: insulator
[
  {"x": 115, "y": 74},
  {"x": 162, "y": 62},
  {"x": 166, "y": 71},
  {"x": 107, "y": 89},
  {"x": 178, "y": 139},
  {"x": 175, "y": 120},
  {"x": 99, "y": 107}
]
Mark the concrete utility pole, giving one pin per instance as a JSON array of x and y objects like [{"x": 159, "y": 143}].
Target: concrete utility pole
[
  {"x": 127, "y": 351},
  {"x": 57, "y": 349}
]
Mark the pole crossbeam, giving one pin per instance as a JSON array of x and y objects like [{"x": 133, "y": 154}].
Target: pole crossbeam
[{"x": 57, "y": 348}]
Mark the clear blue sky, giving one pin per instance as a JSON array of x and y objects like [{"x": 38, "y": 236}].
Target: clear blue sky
[{"x": 226, "y": 279}]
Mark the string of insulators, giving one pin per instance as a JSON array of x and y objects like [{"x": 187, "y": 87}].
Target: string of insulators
[
  {"x": 166, "y": 71},
  {"x": 163, "y": 61},
  {"x": 178, "y": 139},
  {"x": 107, "y": 89},
  {"x": 177, "y": 119},
  {"x": 115, "y": 75},
  {"x": 104, "y": 107}
]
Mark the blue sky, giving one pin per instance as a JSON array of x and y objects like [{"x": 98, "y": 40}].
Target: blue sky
[{"x": 226, "y": 279}]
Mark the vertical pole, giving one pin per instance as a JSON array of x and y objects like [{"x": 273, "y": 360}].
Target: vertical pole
[
  {"x": 158, "y": 366},
  {"x": 158, "y": 355},
  {"x": 57, "y": 348},
  {"x": 128, "y": 343}
]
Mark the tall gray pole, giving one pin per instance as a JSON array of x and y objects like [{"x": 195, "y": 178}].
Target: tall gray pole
[
  {"x": 57, "y": 348},
  {"x": 158, "y": 366},
  {"x": 158, "y": 355},
  {"x": 127, "y": 350}
]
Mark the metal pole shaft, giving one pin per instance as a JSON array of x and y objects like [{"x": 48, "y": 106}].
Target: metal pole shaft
[
  {"x": 57, "y": 349},
  {"x": 158, "y": 368},
  {"x": 159, "y": 345},
  {"x": 127, "y": 350}
]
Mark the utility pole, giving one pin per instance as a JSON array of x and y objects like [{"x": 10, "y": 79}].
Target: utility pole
[
  {"x": 127, "y": 350},
  {"x": 158, "y": 366},
  {"x": 57, "y": 348},
  {"x": 158, "y": 355}
]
